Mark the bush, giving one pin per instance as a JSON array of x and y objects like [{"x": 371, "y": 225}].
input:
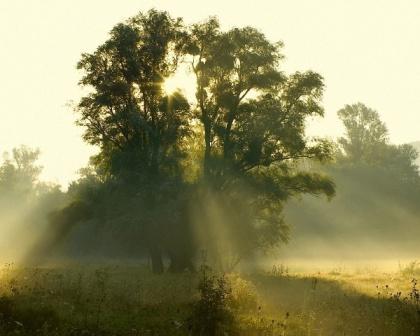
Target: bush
[
  {"x": 211, "y": 314},
  {"x": 243, "y": 296},
  {"x": 25, "y": 320}
]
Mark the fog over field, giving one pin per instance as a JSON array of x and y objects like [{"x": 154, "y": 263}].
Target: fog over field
[{"x": 186, "y": 169}]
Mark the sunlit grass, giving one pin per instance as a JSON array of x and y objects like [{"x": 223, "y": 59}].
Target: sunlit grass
[{"x": 129, "y": 300}]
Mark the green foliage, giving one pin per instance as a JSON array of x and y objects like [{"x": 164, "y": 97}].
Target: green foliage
[
  {"x": 129, "y": 300},
  {"x": 24, "y": 202},
  {"x": 240, "y": 133},
  {"x": 243, "y": 294},
  {"x": 127, "y": 113},
  {"x": 211, "y": 315},
  {"x": 149, "y": 142},
  {"x": 25, "y": 320},
  {"x": 138, "y": 128},
  {"x": 366, "y": 134},
  {"x": 253, "y": 119},
  {"x": 378, "y": 190},
  {"x": 366, "y": 144},
  {"x": 19, "y": 173}
]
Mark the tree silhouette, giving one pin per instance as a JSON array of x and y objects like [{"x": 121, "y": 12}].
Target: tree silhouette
[
  {"x": 127, "y": 114},
  {"x": 253, "y": 117},
  {"x": 253, "y": 126}
]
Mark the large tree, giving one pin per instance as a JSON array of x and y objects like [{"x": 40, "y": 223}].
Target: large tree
[
  {"x": 253, "y": 118},
  {"x": 129, "y": 116},
  {"x": 253, "y": 124}
]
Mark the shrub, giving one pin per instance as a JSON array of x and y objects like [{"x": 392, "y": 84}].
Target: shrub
[
  {"x": 211, "y": 314},
  {"x": 23, "y": 319},
  {"x": 243, "y": 296}
]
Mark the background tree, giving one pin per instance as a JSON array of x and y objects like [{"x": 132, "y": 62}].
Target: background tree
[
  {"x": 365, "y": 135},
  {"x": 377, "y": 203},
  {"x": 19, "y": 173},
  {"x": 24, "y": 201},
  {"x": 366, "y": 143}
]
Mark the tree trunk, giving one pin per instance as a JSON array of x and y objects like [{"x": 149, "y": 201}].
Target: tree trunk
[
  {"x": 207, "y": 151},
  {"x": 156, "y": 259},
  {"x": 180, "y": 263},
  {"x": 227, "y": 146}
]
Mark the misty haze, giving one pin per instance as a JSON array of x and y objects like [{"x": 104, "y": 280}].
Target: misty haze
[{"x": 209, "y": 169}]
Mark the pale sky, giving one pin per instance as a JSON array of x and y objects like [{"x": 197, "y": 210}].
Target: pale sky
[{"x": 367, "y": 50}]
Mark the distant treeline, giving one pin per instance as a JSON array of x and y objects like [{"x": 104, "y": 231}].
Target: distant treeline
[{"x": 376, "y": 212}]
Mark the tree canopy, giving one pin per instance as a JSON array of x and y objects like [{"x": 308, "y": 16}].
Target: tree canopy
[
  {"x": 245, "y": 131},
  {"x": 367, "y": 143},
  {"x": 366, "y": 134},
  {"x": 127, "y": 113}
]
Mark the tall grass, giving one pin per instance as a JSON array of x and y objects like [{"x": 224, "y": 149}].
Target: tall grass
[{"x": 129, "y": 300}]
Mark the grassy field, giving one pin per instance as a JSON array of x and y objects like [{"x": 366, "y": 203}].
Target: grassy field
[{"x": 129, "y": 300}]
